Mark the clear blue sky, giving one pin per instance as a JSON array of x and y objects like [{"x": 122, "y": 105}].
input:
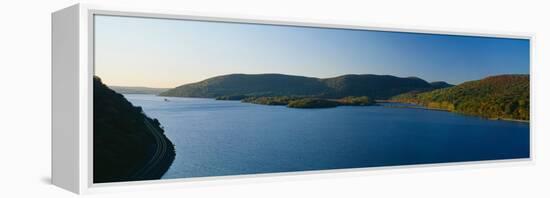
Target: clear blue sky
[{"x": 132, "y": 51}]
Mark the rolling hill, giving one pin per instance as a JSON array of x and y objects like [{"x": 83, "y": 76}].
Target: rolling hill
[
  {"x": 495, "y": 97},
  {"x": 247, "y": 85}
]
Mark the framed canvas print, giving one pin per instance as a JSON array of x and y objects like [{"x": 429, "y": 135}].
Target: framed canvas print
[{"x": 148, "y": 96}]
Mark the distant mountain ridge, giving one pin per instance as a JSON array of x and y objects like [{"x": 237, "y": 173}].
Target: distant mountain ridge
[
  {"x": 137, "y": 90},
  {"x": 373, "y": 86}
]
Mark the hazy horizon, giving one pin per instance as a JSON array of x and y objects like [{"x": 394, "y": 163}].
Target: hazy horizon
[{"x": 166, "y": 53}]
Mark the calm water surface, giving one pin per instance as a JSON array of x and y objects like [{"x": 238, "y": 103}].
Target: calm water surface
[{"x": 215, "y": 138}]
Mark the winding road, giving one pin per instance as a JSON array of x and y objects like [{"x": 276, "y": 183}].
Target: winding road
[{"x": 148, "y": 170}]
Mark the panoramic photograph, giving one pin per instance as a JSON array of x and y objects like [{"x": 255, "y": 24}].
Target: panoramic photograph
[{"x": 187, "y": 98}]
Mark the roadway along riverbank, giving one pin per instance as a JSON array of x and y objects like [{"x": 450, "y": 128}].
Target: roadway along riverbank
[{"x": 161, "y": 158}]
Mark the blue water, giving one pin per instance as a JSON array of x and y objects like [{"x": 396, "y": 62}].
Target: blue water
[{"x": 215, "y": 138}]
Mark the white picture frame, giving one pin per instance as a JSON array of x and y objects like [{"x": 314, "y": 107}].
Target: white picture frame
[{"x": 72, "y": 73}]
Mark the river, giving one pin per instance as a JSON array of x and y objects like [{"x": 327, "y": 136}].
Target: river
[{"x": 216, "y": 138}]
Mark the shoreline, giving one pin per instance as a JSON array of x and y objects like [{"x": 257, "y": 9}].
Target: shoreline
[
  {"x": 128, "y": 144},
  {"x": 438, "y": 109},
  {"x": 413, "y": 107},
  {"x": 377, "y": 103},
  {"x": 156, "y": 166}
]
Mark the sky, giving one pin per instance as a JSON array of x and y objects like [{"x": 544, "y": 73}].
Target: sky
[{"x": 165, "y": 53}]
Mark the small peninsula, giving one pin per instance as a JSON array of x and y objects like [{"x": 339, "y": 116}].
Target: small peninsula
[{"x": 305, "y": 102}]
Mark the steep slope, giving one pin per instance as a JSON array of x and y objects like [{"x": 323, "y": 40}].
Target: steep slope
[
  {"x": 125, "y": 140},
  {"x": 373, "y": 86},
  {"x": 497, "y": 97}
]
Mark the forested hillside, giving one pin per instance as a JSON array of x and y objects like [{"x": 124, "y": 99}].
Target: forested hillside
[
  {"x": 123, "y": 143},
  {"x": 496, "y": 97}
]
